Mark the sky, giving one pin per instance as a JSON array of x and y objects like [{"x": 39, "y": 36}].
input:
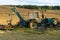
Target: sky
[{"x": 30, "y": 2}]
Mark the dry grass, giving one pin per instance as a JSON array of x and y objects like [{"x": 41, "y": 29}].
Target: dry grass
[
  {"x": 29, "y": 34},
  {"x": 23, "y": 33},
  {"x": 5, "y": 10}
]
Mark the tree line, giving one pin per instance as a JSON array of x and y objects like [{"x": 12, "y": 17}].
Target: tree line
[{"x": 38, "y": 7}]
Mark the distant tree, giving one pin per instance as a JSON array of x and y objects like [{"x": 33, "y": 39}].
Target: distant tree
[
  {"x": 38, "y": 7},
  {"x": 56, "y": 7}
]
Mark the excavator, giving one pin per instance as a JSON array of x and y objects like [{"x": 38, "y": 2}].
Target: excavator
[{"x": 33, "y": 22}]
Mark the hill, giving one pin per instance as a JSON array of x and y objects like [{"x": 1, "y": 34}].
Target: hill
[{"x": 6, "y": 10}]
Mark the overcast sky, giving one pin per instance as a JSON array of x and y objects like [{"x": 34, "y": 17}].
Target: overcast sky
[{"x": 30, "y": 2}]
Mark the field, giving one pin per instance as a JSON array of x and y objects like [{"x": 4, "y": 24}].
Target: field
[
  {"x": 29, "y": 34},
  {"x": 6, "y": 10},
  {"x": 26, "y": 33}
]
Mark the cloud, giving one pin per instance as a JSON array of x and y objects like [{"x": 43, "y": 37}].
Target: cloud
[
  {"x": 30, "y": 2},
  {"x": 11, "y": 2},
  {"x": 41, "y": 2}
]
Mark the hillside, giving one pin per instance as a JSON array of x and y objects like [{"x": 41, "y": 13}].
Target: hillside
[{"x": 6, "y": 10}]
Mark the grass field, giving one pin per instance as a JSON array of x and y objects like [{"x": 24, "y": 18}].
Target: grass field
[
  {"x": 29, "y": 34},
  {"x": 26, "y": 33}
]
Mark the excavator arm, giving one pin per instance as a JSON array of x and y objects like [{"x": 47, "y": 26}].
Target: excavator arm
[
  {"x": 22, "y": 21},
  {"x": 18, "y": 14}
]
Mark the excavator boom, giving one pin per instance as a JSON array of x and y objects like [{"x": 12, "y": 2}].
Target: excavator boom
[
  {"x": 22, "y": 21},
  {"x": 18, "y": 14}
]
